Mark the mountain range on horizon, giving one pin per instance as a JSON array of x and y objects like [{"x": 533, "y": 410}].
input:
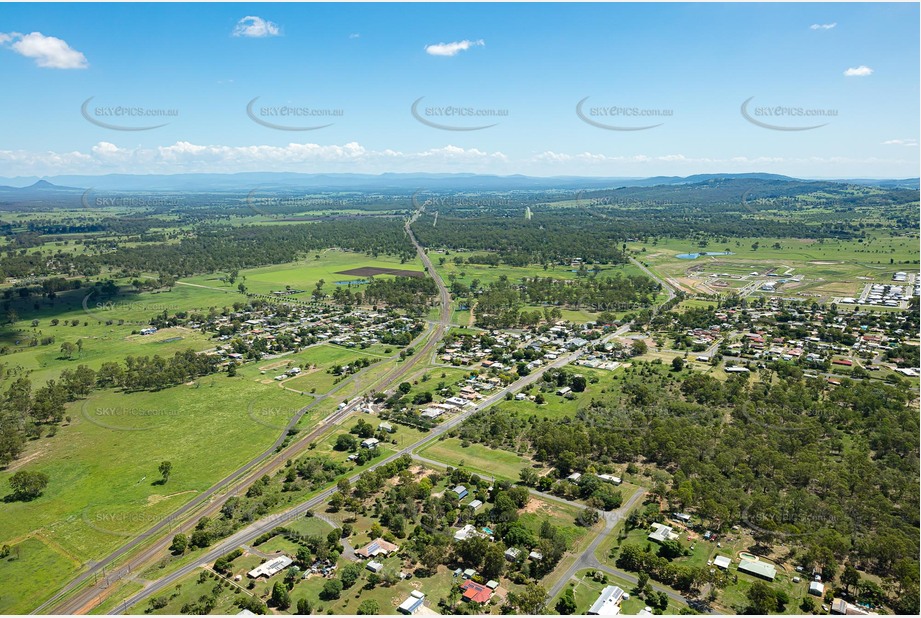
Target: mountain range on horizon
[{"x": 244, "y": 181}]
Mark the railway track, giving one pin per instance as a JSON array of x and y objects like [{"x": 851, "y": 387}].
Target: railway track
[{"x": 144, "y": 549}]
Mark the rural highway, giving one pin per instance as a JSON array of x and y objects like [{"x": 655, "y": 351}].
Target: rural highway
[
  {"x": 665, "y": 286},
  {"x": 240, "y": 479},
  {"x": 266, "y": 524},
  {"x": 92, "y": 595},
  {"x": 85, "y": 600}
]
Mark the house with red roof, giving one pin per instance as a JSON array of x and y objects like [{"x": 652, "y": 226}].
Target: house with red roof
[{"x": 476, "y": 593}]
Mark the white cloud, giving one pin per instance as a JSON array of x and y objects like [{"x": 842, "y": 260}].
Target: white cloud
[
  {"x": 901, "y": 142},
  {"x": 256, "y": 27},
  {"x": 355, "y": 35},
  {"x": 48, "y": 52},
  {"x": 861, "y": 71},
  {"x": 188, "y": 157},
  {"x": 452, "y": 49},
  {"x": 823, "y": 26}
]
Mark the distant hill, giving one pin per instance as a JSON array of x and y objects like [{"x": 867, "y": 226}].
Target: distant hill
[
  {"x": 696, "y": 178},
  {"x": 741, "y": 190},
  {"x": 906, "y": 183},
  {"x": 390, "y": 182},
  {"x": 37, "y": 188}
]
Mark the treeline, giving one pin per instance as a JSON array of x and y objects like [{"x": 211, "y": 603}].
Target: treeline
[
  {"x": 498, "y": 305},
  {"x": 28, "y": 413},
  {"x": 613, "y": 293},
  {"x": 594, "y": 225},
  {"x": 152, "y": 373},
  {"x": 412, "y": 293},
  {"x": 214, "y": 248},
  {"x": 717, "y": 206},
  {"x": 835, "y": 470},
  {"x": 305, "y": 474},
  {"x": 519, "y": 242}
]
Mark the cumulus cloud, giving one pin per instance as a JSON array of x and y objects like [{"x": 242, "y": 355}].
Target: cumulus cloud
[
  {"x": 48, "y": 52},
  {"x": 189, "y": 157},
  {"x": 355, "y": 35},
  {"x": 901, "y": 142},
  {"x": 823, "y": 26},
  {"x": 256, "y": 27},
  {"x": 861, "y": 71},
  {"x": 452, "y": 49}
]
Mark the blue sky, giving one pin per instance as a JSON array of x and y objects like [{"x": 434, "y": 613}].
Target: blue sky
[{"x": 687, "y": 68}]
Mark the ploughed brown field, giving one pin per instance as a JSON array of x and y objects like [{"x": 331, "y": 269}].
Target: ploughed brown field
[{"x": 370, "y": 271}]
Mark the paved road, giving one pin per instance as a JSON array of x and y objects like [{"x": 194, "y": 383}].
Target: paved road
[
  {"x": 540, "y": 494},
  {"x": 164, "y": 526},
  {"x": 669, "y": 289},
  {"x": 347, "y": 550},
  {"x": 88, "y": 598},
  {"x": 264, "y": 525},
  {"x": 210, "y": 500},
  {"x": 588, "y": 560}
]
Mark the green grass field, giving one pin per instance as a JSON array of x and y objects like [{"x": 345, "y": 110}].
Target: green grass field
[
  {"x": 466, "y": 273},
  {"x": 190, "y": 589},
  {"x": 37, "y": 570},
  {"x": 304, "y": 274},
  {"x": 103, "y": 464},
  {"x": 476, "y": 458},
  {"x": 557, "y": 406},
  {"x": 586, "y": 591},
  {"x": 830, "y": 268}
]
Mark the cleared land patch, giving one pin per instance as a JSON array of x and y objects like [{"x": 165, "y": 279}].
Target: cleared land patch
[{"x": 371, "y": 271}]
